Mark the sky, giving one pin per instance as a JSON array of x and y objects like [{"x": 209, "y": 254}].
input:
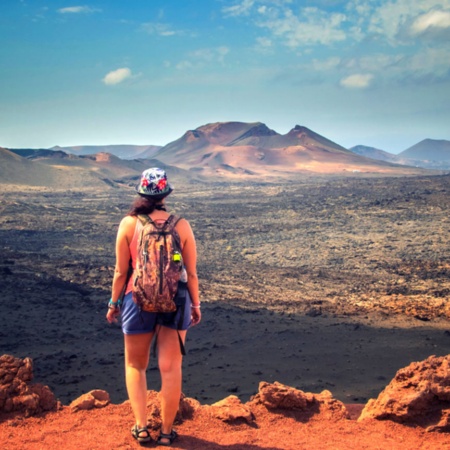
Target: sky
[{"x": 359, "y": 72}]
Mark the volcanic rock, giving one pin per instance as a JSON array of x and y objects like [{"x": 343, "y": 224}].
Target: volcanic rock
[
  {"x": 93, "y": 399},
  {"x": 418, "y": 395},
  {"x": 16, "y": 392},
  {"x": 279, "y": 396},
  {"x": 186, "y": 409},
  {"x": 231, "y": 409}
]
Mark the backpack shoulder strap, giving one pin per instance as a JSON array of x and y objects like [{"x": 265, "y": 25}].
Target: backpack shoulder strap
[
  {"x": 144, "y": 219},
  {"x": 171, "y": 222}
]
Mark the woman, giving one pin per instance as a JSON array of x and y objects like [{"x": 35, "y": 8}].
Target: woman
[{"x": 139, "y": 327}]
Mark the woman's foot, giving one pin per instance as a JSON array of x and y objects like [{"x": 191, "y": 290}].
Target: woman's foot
[
  {"x": 141, "y": 434},
  {"x": 167, "y": 439}
]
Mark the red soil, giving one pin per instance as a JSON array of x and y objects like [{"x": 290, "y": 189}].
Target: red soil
[{"x": 109, "y": 428}]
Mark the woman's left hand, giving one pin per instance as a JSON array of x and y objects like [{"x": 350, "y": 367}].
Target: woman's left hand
[{"x": 112, "y": 315}]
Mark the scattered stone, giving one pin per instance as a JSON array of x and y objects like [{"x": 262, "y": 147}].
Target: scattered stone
[
  {"x": 231, "y": 409},
  {"x": 93, "y": 399},
  {"x": 279, "y": 396},
  {"x": 16, "y": 392},
  {"x": 418, "y": 395}
]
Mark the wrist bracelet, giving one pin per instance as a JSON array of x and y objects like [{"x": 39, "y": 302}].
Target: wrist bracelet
[
  {"x": 196, "y": 306},
  {"x": 114, "y": 304}
]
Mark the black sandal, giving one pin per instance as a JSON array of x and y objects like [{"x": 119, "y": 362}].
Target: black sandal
[
  {"x": 136, "y": 433},
  {"x": 169, "y": 438}
]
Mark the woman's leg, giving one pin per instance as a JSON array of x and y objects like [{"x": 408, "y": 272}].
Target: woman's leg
[
  {"x": 169, "y": 361},
  {"x": 137, "y": 355}
]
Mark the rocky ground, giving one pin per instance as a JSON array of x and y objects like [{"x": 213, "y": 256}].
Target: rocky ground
[
  {"x": 317, "y": 283},
  {"x": 412, "y": 412}
]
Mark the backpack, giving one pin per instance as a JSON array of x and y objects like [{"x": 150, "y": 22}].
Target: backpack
[{"x": 158, "y": 266}]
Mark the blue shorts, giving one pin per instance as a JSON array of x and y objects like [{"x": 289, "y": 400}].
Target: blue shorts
[{"x": 137, "y": 322}]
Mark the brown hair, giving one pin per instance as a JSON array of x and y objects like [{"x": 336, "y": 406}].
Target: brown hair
[{"x": 143, "y": 205}]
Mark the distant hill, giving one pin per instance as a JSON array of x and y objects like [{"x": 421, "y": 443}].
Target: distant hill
[
  {"x": 371, "y": 152},
  {"x": 57, "y": 169},
  {"x": 121, "y": 151},
  {"x": 17, "y": 170},
  {"x": 428, "y": 150},
  {"x": 237, "y": 148},
  {"x": 374, "y": 153}
]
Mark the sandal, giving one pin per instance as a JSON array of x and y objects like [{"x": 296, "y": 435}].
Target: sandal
[
  {"x": 169, "y": 438},
  {"x": 137, "y": 434}
]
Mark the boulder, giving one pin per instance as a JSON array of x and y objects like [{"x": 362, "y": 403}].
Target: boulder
[
  {"x": 277, "y": 396},
  {"x": 93, "y": 399},
  {"x": 418, "y": 395},
  {"x": 231, "y": 409},
  {"x": 17, "y": 394}
]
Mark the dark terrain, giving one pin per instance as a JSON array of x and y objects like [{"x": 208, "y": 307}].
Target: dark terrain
[{"x": 325, "y": 284}]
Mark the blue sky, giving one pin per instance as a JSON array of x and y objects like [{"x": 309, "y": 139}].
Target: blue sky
[{"x": 366, "y": 72}]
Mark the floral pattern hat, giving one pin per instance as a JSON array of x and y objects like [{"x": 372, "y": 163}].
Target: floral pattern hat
[{"x": 154, "y": 183}]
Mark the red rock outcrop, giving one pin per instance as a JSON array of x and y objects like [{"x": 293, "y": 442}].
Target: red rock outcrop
[
  {"x": 16, "y": 391},
  {"x": 279, "y": 396},
  {"x": 418, "y": 395}
]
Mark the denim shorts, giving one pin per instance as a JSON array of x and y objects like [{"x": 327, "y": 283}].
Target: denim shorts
[{"x": 135, "y": 321}]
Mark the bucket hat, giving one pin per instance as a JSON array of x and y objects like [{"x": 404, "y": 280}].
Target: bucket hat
[{"x": 154, "y": 183}]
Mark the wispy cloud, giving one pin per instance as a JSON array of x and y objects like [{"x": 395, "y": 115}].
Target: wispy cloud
[
  {"x": 357, "y": 81},
  {"x": 242, "y": 8},
  {"x": 201, "y": 57},
  {"x": 373, "y": 42},
  {"x": 311, "y": 26},
  {"x": 117, "y": 76},
  {"x": 78, "y": 10},
  {"x": 304, "y": 26},
  {"x": 160, "y": 29}
]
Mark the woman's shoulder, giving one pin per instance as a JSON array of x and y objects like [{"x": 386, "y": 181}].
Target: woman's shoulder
[
  {"x": 182, "y": 222},
  {"x": 184, "y": 228},
  {"x": 128, "y": 222}
]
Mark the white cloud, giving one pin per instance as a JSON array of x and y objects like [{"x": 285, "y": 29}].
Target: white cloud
[
  {"x": 117, "y": 76},
  {"x": 357, "y": 81},
  {"x": 77, "y": 10},
  {"x": 432, "y": 20}
]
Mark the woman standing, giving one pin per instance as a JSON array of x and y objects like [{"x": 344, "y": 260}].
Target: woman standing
[{"x": 139, "y": 327}]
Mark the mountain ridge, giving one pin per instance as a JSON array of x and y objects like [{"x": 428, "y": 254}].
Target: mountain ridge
[{"x": 229, "y": 150}]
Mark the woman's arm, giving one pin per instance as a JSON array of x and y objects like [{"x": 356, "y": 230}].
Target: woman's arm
[
  {"x": 124, "y": 237},
  {"x": 189, "y": 253}
]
